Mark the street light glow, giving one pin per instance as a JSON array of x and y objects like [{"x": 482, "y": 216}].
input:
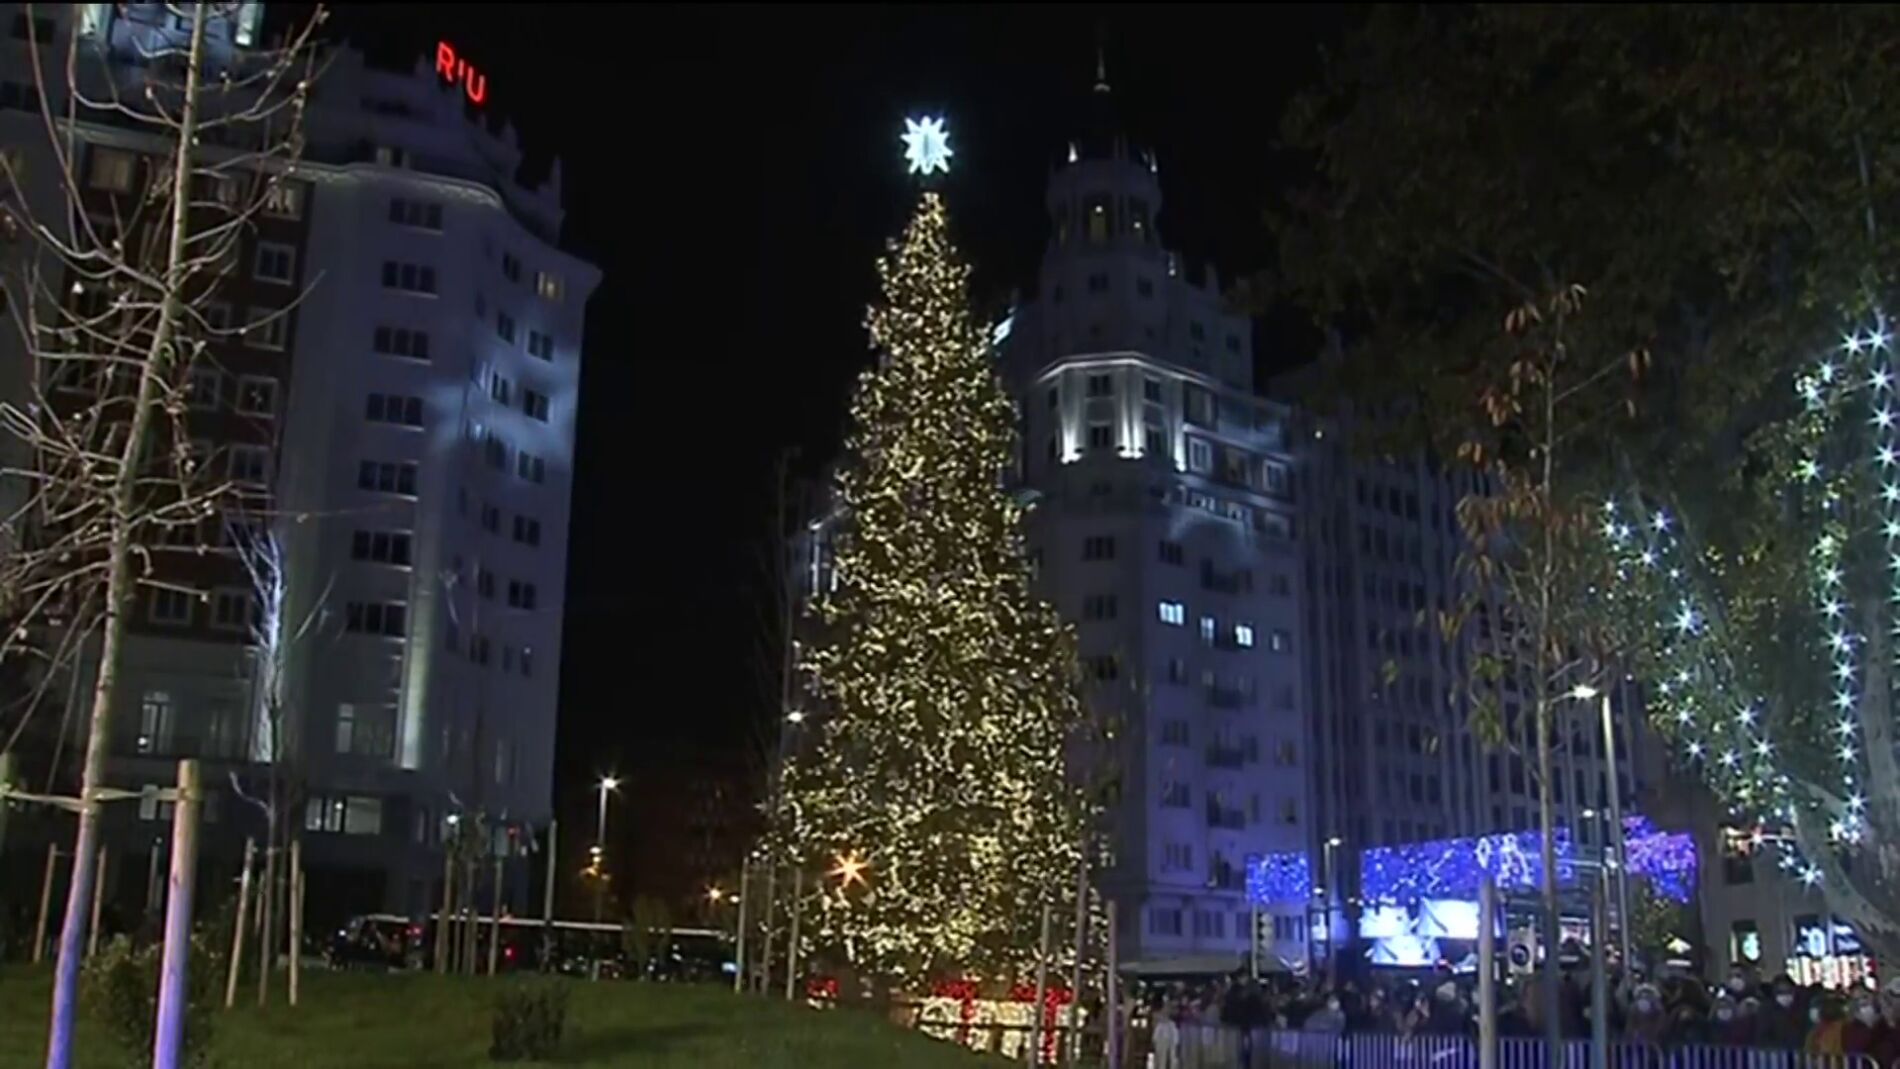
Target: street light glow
[
  {"x": 1583, "y": 692},
  {"x": 850, "y": 869},
  {"x": 795, "y": 716},
  {"x": 609, "y": 783}
]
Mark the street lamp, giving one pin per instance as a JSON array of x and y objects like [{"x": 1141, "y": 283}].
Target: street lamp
[
  {"x": 1616, "y": 857},
  {"x": 606, "y": 786}
]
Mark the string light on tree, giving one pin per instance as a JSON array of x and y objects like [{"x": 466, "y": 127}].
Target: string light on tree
[
  {"x": 945, "y": 690},
  {"x": 1815, "y": 740}
]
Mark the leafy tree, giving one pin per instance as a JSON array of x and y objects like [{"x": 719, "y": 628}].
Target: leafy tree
[
  {"x": 1709, "y": 178},
  {"x": 935, "y": 789}
]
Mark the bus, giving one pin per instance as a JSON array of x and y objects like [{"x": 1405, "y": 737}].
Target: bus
[{"x": 390, "y": 942}]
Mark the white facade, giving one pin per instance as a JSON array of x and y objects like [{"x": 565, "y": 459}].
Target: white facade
[
  {"x": 422, "y": 455},
  {"x": 1165, "y": 531}
]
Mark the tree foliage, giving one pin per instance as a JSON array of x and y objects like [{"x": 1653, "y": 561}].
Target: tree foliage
[
  {"x": 946, "y": 689},
  {"x": 1712, "y": 179}
]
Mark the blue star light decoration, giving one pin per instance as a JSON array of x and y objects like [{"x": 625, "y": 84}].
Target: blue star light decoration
[
  {"x": 926, "y": 146},
  {"x": 1709, "y": 701}
]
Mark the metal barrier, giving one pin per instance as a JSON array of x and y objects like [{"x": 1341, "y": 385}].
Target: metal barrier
[{"x": 1212, "y": 1046}]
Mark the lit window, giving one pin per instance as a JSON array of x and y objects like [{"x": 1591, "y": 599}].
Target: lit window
[
  {"x": 257, "y": 396},
  {"x": 1243, "y": 636},
  {"x": 284, "y": 200},
  {"x": 1208, "y": 628},
  {"x": 548, "y": 285},
  {"x": 1200, "y": 456},
  {"x": 1173, "y": 613},
  {"x": 250, "y": 464},
  {"x": 155, "y": 722}
]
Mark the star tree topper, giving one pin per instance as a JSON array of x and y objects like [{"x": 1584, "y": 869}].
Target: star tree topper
[{"x": 926, "y": 145}]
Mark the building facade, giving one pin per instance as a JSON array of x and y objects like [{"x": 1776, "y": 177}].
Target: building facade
[
  {"x": 1166, "y": 530},
  {"x": 396, "y": 408}
]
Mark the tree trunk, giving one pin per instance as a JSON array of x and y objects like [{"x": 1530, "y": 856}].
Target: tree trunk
[{"x": 120, "y": 583}]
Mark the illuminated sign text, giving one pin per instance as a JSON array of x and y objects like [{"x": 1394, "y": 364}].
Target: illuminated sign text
[{"x": 453, "y": 68}]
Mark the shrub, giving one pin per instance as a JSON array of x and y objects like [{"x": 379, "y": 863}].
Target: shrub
[
  {"x": 529, "y": 1019},
  {"x": 120, "y": 987}
]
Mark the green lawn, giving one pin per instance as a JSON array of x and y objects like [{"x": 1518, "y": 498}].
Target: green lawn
[{"x": 363, "y": 1021}]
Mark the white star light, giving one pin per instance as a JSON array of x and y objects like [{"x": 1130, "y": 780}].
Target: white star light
[
  {"x": 926, "y": 145},
  {"x": 1881, "y": 379}
]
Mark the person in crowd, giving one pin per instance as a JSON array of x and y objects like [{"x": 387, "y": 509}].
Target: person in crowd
[
  {"x": 1329, "y": 1018},
  {"x": 1866, "y": 1032},
  {"x": 1728, "y": 1026},
  {"x": 1166, "y": 1041},
  {"x": 1827, "y": 1022},
  {"x": 1648, "y": 1020},
  {"x": 1783, "y": 1021}
]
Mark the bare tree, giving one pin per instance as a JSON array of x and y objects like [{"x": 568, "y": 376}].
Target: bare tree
[{"x": 152, "y": 172}]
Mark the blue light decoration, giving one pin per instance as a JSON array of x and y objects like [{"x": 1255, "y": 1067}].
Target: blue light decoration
[
  {"x": 1666, "y": 859},
  {"x": 1280, "y": 877},
  {"x": 1453, "y": 868}
]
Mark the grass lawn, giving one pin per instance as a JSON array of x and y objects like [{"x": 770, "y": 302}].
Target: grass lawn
[{"x": 365, "y": 1021}]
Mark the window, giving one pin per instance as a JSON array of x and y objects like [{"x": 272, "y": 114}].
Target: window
[
  {"x": 1289, "y": 811},
  {"x": 1171, "y": 552},
  {"x": 386, "y": 477},
  {"x": 1177, "y": 670},
  {"x": 381, "y": 547},
  {"x": 535, "y": 404},
  {"x": 112, "y": 169},
  {"x": 250, "y": 464},
  {"x": 1099, "y": 607},
  {"x": 485, "y": 584},
  {"x": 409, "y": 278},
  {"x": 1200, "y": 456},
  {"x": 540, "y": 345},
  {"x": 1284, "y": 754},
  {"x": 530, "y": 467},
  {"x": 426, "y": 215},
  {"x": 1154, "y": 440},
  {"x": 1243, "y": 636},
  {"x": 521, "y": 595},
  {"x": 170, "y": 606},
  {"x": 1172, "y": 613},
  {"x": 527, "y": 661},
  {"x": 510, "y": 267},
  {"x": 35, "y": 28},
  {"x": 401, "y": 341},
  {"x": 1273, "y": 479},
  {"x": 217, "y": 315},
  {"x": 548, "y": 285},
  {"x": 1101, "y": 436},
  {"x": 389, "y": 618},
  {"x": 284, "y": 200},
  {"x": 257, "y": 395},
  {"x": 365, "y": 730},
  {"x": 1151, "y": 390},
  {"x": 155, "y": 721},
  {"x": 527, "y": 531},
  {"x": 1174, "y": 733},
  {"x": 500, "y": 390},
  {"x": 1209, "y": 627},
  {"x": 1177, "y": 857},
  {"x": 1098, "y": 547},
  {"x": 1103, "y": 669},
  {"x": 1176, "y": 795},
  {"x": 231, "y": 609},
  {"x": 491, "y": 519},
  {"x": 1101, "y": 386},
  {"x": 1098, "y": 283},
  {"x": 274, "y": 263},
  {"x": 203, "y": 388},
  {"x": 1144, "y": 287},
  {"x": 1164, "y": 921},
  {"x": 393, "y": 408},
  {"x": 505, "y": 327},
  {"x": 1280, "y": 641},
  {"x": 1744, "y": 943}
]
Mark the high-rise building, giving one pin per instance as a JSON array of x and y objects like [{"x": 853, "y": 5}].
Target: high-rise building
[
  {"x": 1165, "y": 528},
  {"x": 399, "y": 411}
]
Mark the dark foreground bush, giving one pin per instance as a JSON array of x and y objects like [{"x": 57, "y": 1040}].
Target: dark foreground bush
[{"x": 529, "y": 1019}]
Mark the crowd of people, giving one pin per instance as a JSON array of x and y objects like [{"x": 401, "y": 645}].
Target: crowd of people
[{"x": 1677, "y": 1011}]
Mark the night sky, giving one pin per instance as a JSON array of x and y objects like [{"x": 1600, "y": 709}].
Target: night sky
[{"x": 734, "y": 173}]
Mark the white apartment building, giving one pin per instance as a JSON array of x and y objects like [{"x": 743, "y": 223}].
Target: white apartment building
[
  {"x": 408, "y": 424},
  {"x": 1166, "y": 530}
]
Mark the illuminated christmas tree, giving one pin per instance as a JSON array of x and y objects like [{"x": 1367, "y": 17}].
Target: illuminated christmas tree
[
  {"x": 1766, "y": 615},
  {"x": 944, "y": 690}
]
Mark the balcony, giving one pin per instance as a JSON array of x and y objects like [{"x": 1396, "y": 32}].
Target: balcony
[
  {"x": 1219, "y": 756},
  {"x": 1220, "y": 816}
]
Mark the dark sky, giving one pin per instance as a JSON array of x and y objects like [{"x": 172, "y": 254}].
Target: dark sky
[{"x": 734, "y": 172}]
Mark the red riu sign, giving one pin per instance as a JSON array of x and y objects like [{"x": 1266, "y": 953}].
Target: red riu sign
[{"x": 454, "y": 68}]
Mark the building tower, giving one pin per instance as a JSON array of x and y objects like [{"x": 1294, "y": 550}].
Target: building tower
[{"x": 1165, "y": 531}]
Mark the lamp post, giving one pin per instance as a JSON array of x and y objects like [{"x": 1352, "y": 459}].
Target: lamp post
[
  {"x": 1617, "y": 860},
  {"x": 1328, "y": 877},
  {"x": 606, "y": 786}
]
